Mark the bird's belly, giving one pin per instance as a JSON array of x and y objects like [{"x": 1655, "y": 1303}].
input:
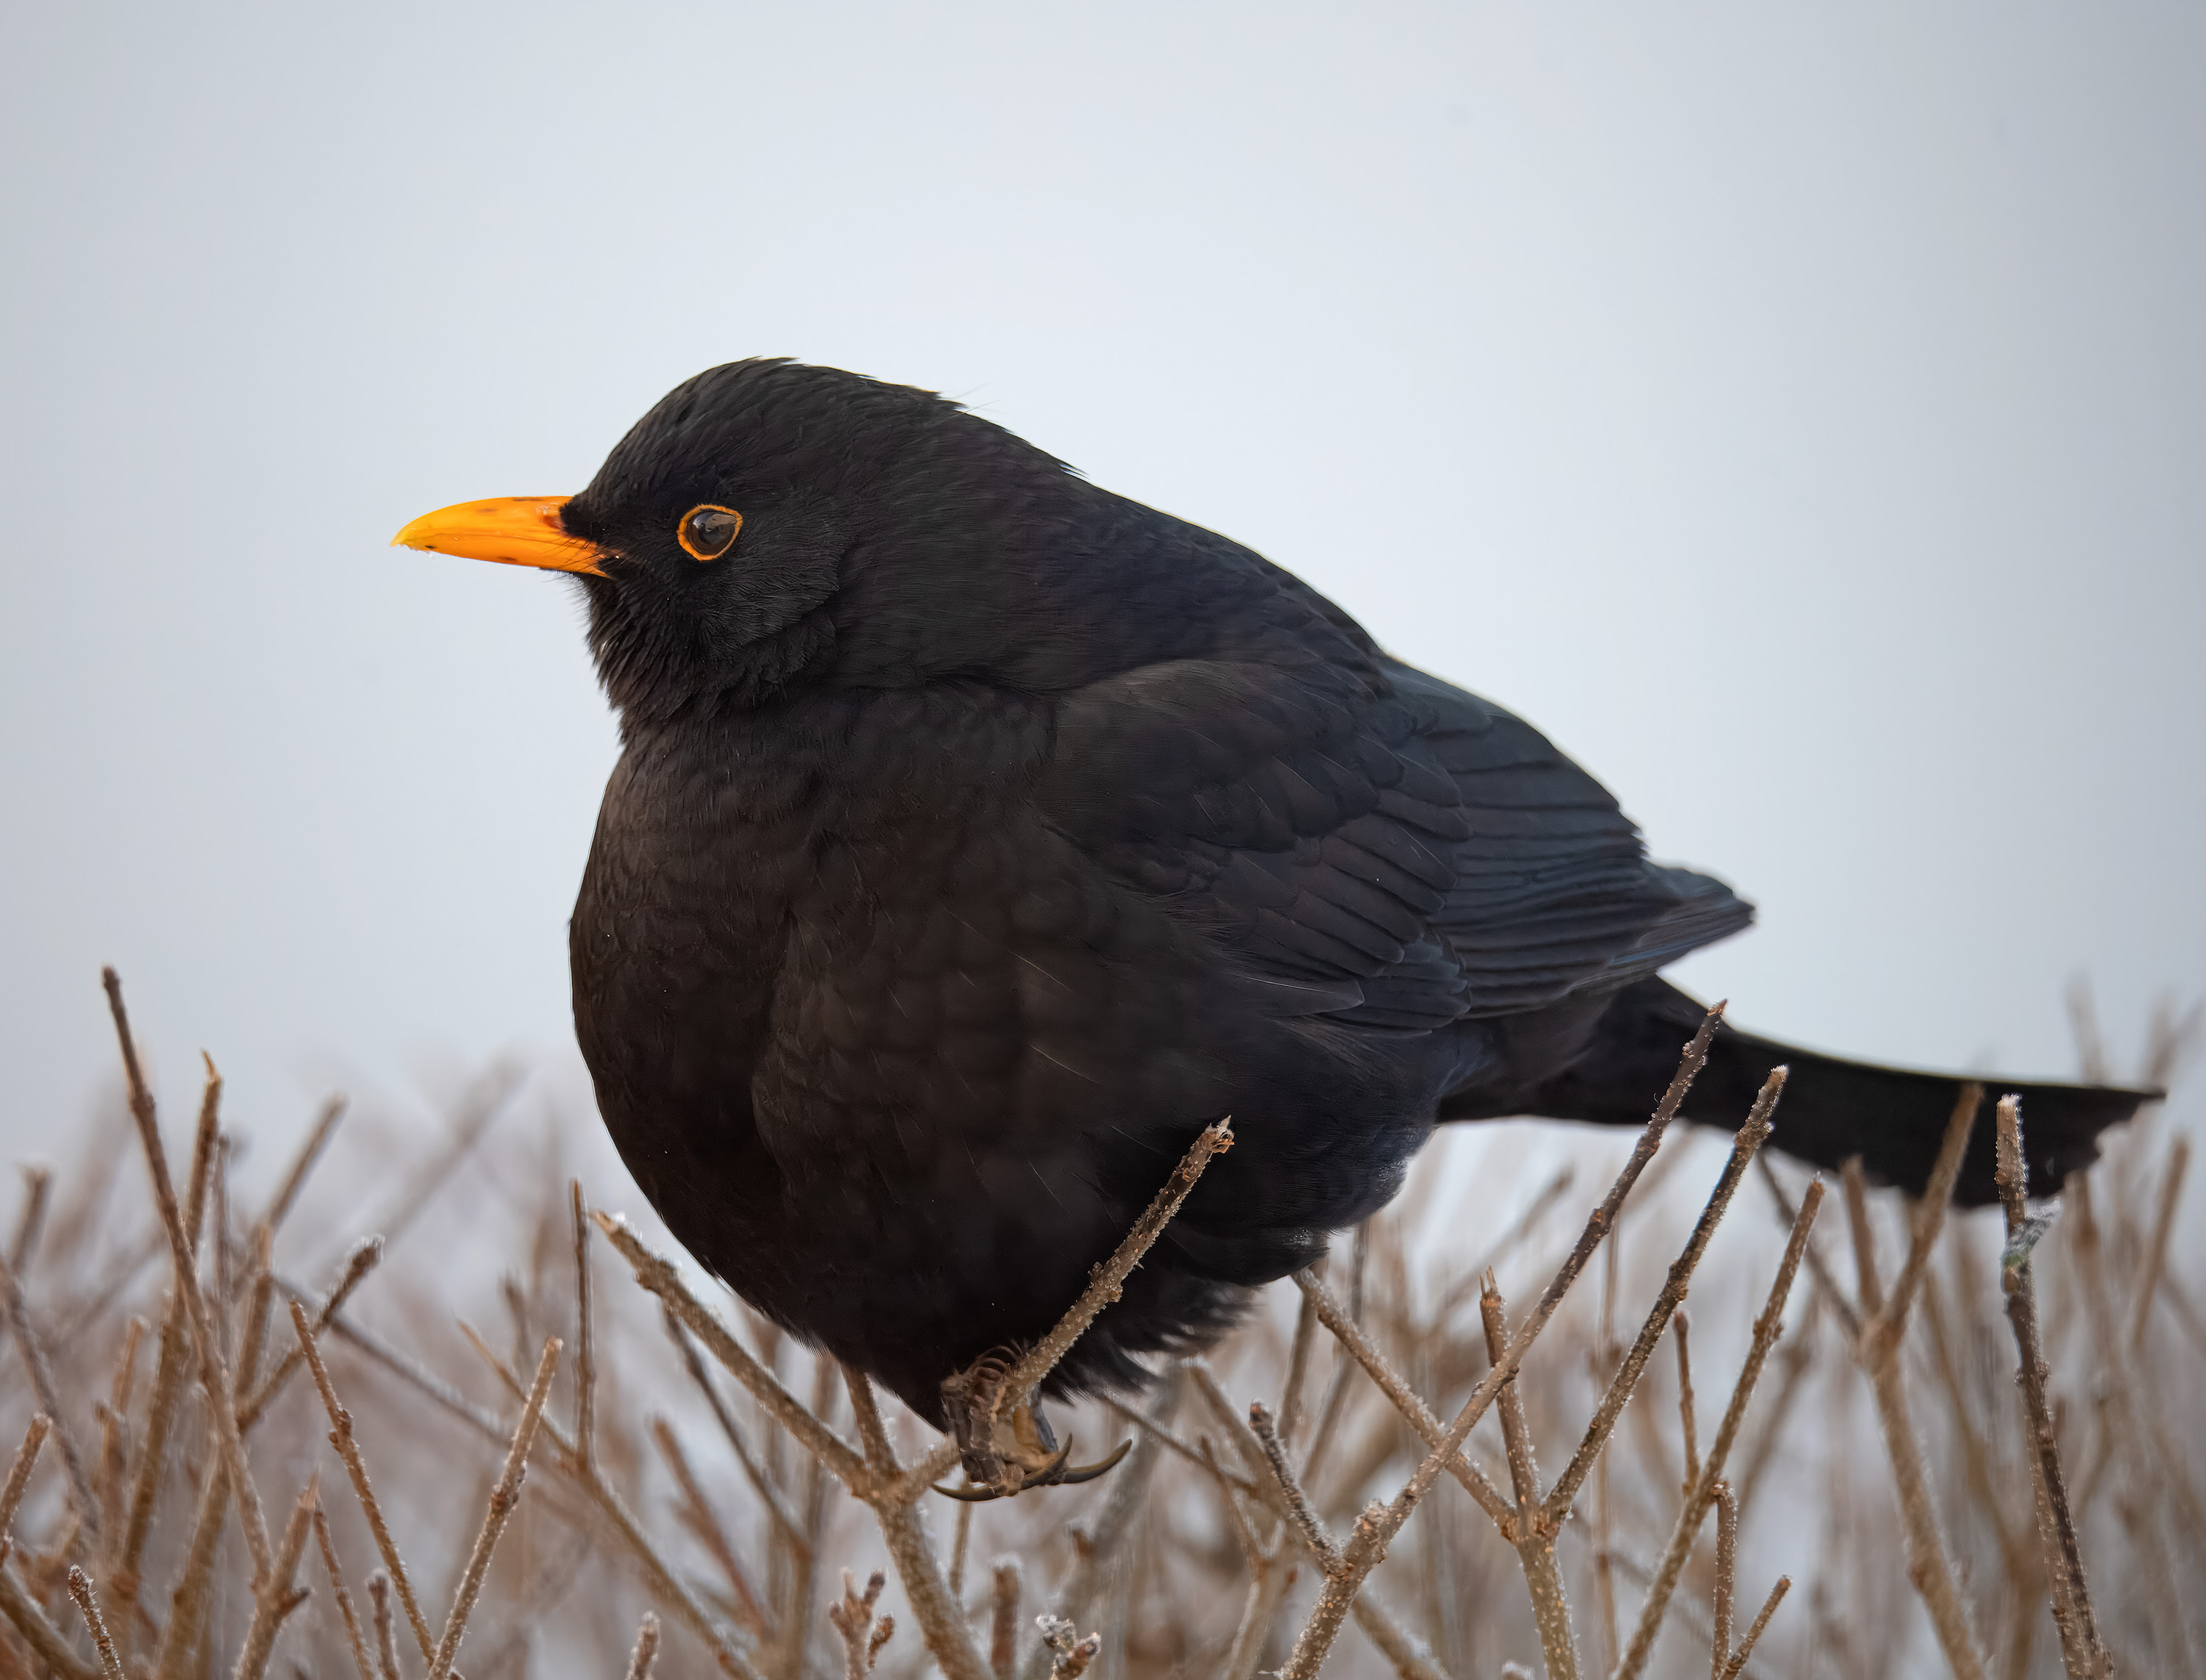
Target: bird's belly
[{"x": 901, "y": 1090}]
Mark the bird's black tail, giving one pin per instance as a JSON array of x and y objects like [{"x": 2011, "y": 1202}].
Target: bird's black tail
[{"x": 1892, "y": 1117}]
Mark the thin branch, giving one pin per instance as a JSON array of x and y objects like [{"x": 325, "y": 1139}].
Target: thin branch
[
  {"x": 659, "y": 1277},
  {"x": 647, "y": 1648},
  {"x": 1928, "y": 1565},
  {"x": 303, "y": 1162},
  {"x": 2082, "y": 1653},
  {"x": 1767, "y": 1329},
  {"x": 1535, "y": 1535},
  {"x": 345, "y": 1611},
  {"x": 1737, "y": 1664},
  {"x": 1407, "y": 1401},
  {"x": 502, "y": 1498},
  {"x": 1379, "y": 1524},
  {"x": 2163, "y": 1224},
  {"x": 1727, "y": 1586},
  {"x": 348, "y": 1450},
  {"x": 19, "y": 1472},
  {"x": 705, "y": 1525},
  {"x": 1681, "y": 1327},
  {"x": 212, "y": 1377},
  {"x": 363, "y": 1258},
  {"x": 47, "y": 1641},
  {"x": 79, "y": 1588},
  {"x": 1003, "y": 1592},
  {"x": 82, "y": 1499},
  {"x": 586, "y": 1358},
  {"x": 761, "y": 1484},
  {"x": 386, "y": 1646},
  {"x": 276, "y": 1600},
  {"x": 1745, "y": 1145},
  {"x": 1106, "y": 1281},
  {"x": 1294, "y": 1501}
]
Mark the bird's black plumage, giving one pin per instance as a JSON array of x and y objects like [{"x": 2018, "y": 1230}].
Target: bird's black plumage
[{"x": 978, "y": 834}]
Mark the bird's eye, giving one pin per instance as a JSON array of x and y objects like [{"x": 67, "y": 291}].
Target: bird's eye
[{"x": 706, "y": 533}]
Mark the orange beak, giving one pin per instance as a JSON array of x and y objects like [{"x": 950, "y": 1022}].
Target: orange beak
[{"x": 514, "y": 530}]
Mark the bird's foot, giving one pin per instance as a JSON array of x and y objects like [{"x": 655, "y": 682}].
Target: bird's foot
[{"x": 1007, "y": 1448}]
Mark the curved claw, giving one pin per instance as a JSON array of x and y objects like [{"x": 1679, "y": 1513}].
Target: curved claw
[
  {"x": 1080, "y": 1472},
  {"x": 1051, "y": 1472},
  {"x": 971, "y": 1495}
]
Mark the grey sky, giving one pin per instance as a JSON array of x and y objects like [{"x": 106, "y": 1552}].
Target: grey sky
[{"x": 1799, "y": 412}]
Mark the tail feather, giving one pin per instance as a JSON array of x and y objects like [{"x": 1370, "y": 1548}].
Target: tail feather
[{"x": 1893, "y": 1118}]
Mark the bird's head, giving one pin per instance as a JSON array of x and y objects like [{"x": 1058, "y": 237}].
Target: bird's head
[{"x": 768, "y": 525}]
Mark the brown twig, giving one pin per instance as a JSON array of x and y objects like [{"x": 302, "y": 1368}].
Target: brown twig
[
  {"x": 346, "y": 1613},
  {"x": 586, "y": 1357},
  {"x": 387, "y": 1645},
  {"x": 348, "y": 1450},
  {"x": 1379, "y": 1524},
  {"x": 1746, "y": 1144},
  {"x": 770, "y": 1496},
  {"x": 363, "y": 1258},
  {"x": 1072, "y": 1652},
  {"x": 647, "y": 1648},
  {"x": 1737, "y": 1664},
  {"x": 48, "y": 1642},
  {"x": 2082, "y": 1653},
  {"x": 19, "y": 1472},
  {"x": 502, "y": 1498},
  {"x": 1884, "y": 1322},
  {"x": 2163, "y": 1224},
  {"x": 1681, "y": 1329},
  {"x": 213, "y": 1376},
  {"x": 665, "y": 1584},
  {"x": 1105, "y": 1281},
  {"x": 1535, "y": 1539},
  {"x": 659, "y": 1277},
  {"x": 83, "y": 1500},
  {"x": 1767, "y": 1329},
  {"x": 37, "y": 1186},
  {"x": 699, "y": 1517},
  {"x": 302, "y": 1164},
  {"x": 1726, "y": 1578},
  {"x": 1004, "y": 1590},
  {"x": 79, "y": 1588},
  {"x": 1406, "y": 1400},
  {"x": 276, "y": 1600}
]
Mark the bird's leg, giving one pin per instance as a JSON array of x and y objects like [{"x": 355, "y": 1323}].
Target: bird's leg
[{"x": 1007, "y": 1449}]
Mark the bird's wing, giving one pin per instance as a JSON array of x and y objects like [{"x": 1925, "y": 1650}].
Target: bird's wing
[{"x": 1402, "y": 853}]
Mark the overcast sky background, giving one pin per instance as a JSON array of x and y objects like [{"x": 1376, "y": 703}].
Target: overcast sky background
[{"x": 1799, "y": 413}]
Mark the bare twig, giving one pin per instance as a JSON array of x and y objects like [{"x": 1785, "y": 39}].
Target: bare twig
[
  {"x": 2155, "y": 1262},
  {"x": 698, "y": 1515},
  {"x": 276, "y": 1600},
  {"x": 1379, "y": 1524},
  {"x": 48, "y": 1642},
  {"x": 853, "y": 1618},
  {"x": 586, "y": 1358},
  {"x": 2081, "y": 1652},
  {"x": 1885, "y": 1322},
  {"x": 1003, "y": 1617},
  {"x": 19, "y": 1472},
  {"x": 354, "y": 1637},
  {"x": 647, "y": 1648},
  {"x": 213, "y": 1376},
  {"x": 83, "y": 1500},
  {"x": 364, "y": 1257},
  {"x": 1072, "y": 1652},
  {"x": 302, "y": 1164},
  {"x": 1681, "y": 1328},
  {"x": 659, "y": 1277},
  {"x": 386, "y": 1647},
  {"x": 79, "y": 1588},
  {"x": 38, "y": 1185},
  {"x": 1535, "y": 1539},
  {"x": 1106, "y": 1280},
  {"x": 502, "y": 1497},
  {"x": 1295, "y": 1501},
  {"x": 1736, "y": 1664},
  {"x": 1726, "y": 1576},
  {"x": 761, "y": 1484},
  {"x": 1745, "y": 1145},
  {"x": 1767, "y": 1329},
  {"x": 341, "y": 1438}
]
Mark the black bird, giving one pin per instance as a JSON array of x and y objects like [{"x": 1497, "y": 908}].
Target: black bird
[{"x": 979, "y": 836}]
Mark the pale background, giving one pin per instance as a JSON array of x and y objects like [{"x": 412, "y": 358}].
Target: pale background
[{"x": 1799, "y": 412}]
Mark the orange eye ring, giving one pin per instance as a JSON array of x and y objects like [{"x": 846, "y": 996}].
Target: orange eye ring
[{"x": 707, "y": 531}]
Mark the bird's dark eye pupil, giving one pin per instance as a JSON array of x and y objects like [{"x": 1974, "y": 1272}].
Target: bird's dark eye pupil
[{"x": 707, "y": 533}]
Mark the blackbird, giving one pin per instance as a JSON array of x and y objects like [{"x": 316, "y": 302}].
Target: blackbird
[{"x": 979, "y": 836}]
